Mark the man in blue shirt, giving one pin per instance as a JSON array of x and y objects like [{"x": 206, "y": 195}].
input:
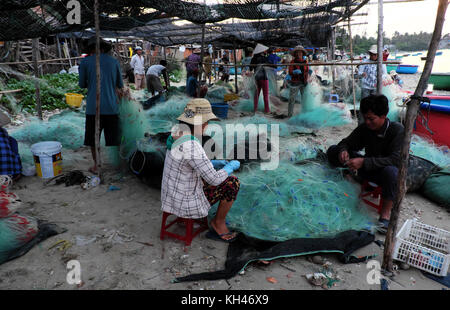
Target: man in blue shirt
[
  {"x": 192, "y": 86},
  {"x": 110, "y": 80}
]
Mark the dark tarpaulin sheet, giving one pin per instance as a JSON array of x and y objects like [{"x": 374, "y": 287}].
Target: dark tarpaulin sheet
[
  {"x": 245, "y": 250},
  {"x": 23, "y": 19}
]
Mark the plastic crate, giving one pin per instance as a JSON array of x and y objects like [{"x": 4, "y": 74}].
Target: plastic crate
[{"x": 424, "y": 247}]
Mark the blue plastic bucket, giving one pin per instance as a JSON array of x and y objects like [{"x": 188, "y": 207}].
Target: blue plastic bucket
[{"x": 220, "y": 109}]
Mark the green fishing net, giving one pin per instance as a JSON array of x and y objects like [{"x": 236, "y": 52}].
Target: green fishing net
[
  {"x": 295, "y": 201},
  {"x": 425, "y": 148}
]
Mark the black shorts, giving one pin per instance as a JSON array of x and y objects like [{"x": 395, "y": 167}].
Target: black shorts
[{"x": 111, "y": 125}]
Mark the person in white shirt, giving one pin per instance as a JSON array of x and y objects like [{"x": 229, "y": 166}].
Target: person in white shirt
[
  {"x": 153, "y": 81},
  {"x": 138, "y": 65}
]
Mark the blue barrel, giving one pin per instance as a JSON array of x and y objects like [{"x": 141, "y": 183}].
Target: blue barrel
[{"x": 220, "y": 109}]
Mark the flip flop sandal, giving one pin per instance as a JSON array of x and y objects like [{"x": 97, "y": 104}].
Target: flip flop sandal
[{"x": 212, "y": 234}]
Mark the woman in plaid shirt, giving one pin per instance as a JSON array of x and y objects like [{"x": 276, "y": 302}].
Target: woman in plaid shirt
[{"x": 190, "y": 183}]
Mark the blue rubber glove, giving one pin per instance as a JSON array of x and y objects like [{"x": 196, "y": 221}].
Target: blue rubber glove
[
  {"x": 232, "y": 166},
  {"x": 297, "y": 71},
  {"x": 218, "y": 163}
]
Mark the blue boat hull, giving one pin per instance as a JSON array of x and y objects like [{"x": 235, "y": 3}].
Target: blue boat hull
[{"x": 407, "y": 69}]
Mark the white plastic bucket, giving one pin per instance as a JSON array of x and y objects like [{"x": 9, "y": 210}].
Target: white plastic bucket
[{"x": 47, "y": 158}]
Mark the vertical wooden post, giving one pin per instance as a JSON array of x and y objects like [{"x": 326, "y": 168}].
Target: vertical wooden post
[
  {"x": 202, "y": 52},
  {"x": 333, "y": 51},
  {"x": 352, "y": 68},
  {"x": 411, "y": 114},
  {"x": 380, "y": 48},
  {"x": 235, "y": 68},
  {"x": 58, "y": 43},
  {"x": 35, "y": 52},
  {"x": 98, "y": 90}
]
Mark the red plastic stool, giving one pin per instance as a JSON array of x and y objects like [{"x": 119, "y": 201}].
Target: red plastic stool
[
  {"x": 375, "y": 192},
  {"x": 189, "y": 223}
]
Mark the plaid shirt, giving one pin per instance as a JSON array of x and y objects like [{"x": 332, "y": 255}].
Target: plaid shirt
[
  {"x": 10, "y": 163},
  {"x": 182, "y": 186},
  {"x": 370, "y": 80}
]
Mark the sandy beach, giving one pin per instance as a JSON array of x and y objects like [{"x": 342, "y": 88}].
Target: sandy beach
[{"x": 115, "y": 237}]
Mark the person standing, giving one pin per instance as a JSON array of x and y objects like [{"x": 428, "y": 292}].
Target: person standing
[
  {"x": 110, "y": 82},
  {"x": 207, "y": 67},
  {"x": 138, "y": 65},
  {"x": 261, "y": 79},
  {"x": 226, "y": 69},
  {"x": 299, "y": 76},
  {"x": 193, "y": 62},
  {"x": 153, "y": 81},
  {"x": 369, "y": 74}
]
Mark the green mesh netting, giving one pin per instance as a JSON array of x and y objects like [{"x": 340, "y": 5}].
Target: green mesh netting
[
  {"x": 315, "y": 113},
  {"x": 425, "y": 148},
  {"x": 395, "y": 97},
  {"x": 295, "y": 201},
  {"x": 15, "y": 231}
]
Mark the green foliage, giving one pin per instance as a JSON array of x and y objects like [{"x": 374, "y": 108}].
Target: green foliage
[
  {"x": 175, "y": 76},
  {"x": 402, "y": 42},
  {"x": 53, "y": 88}
]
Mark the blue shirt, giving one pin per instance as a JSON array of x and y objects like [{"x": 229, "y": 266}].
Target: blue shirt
[
  {"x": 111, "y": 78},
  {"x": 191, "y": 87}
]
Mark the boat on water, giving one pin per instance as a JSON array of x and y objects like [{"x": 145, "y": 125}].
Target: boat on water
[
  {"x": 436, "y": 115},
  {"x": 440, "y": 80},
  {"x": 407, "y": 69}
]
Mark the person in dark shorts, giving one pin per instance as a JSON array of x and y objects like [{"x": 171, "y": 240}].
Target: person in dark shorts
[
  {"x": 111, "y": 81},
  {"x": 382, "y": 140}
]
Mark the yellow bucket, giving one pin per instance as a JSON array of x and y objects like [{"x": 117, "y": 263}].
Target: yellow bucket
[{"x": 74, "y": 100}]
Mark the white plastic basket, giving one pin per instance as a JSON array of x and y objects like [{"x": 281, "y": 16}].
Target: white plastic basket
[{"x": 424, "y": 247}]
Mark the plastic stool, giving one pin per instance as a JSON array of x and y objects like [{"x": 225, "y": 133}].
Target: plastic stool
[
  {"x": 189, "y": 223},
  {"x": 375, "y": 193}
]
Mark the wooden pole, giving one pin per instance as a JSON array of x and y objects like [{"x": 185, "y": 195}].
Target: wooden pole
[
  {"x": 235, "y": 68},
  {"x": 36, "y": 75},
  {"x": 202, "y": 52},
  {"x": 352, "y": 69},
  {"x": 380, "y": 48},
  {"x": 98, "y": 161},
  {"x": 333, "y": 51},
  {"x": 58, "y": 43},
  {"x": 411, "y": 114}
]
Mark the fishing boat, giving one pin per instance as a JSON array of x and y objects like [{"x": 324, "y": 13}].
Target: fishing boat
[
  {"x": 391, "y": 67},
  {"x": 440, "y": 80},
  {"x": 407, "y": 69},
  {"x": 435, "y": 115}
]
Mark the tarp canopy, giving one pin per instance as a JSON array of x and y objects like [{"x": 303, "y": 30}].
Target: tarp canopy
[{"x": 286, "y": 22}]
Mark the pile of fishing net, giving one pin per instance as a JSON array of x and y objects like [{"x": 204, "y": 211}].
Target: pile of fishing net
[
  {"x": 15, "y": 230},
  {"x": 425, "y": 148},
  {"x": 435, "y": 186},
  {"x": 303, "y": 200},
  {"x": 19, "y": 233},
  {"x": 66, "y": 127},
  {"x": 315, "y": 113}
]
